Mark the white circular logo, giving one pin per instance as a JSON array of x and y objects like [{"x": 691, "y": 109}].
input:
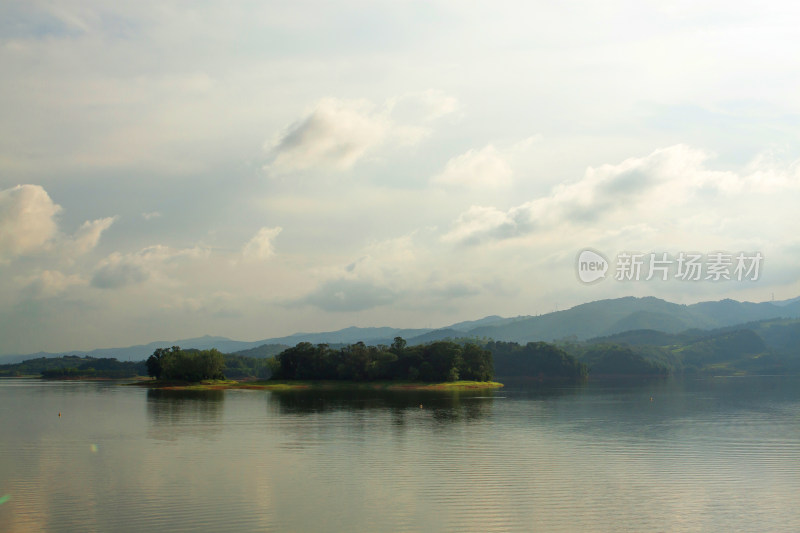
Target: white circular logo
[{"x": 591, "y": 266}]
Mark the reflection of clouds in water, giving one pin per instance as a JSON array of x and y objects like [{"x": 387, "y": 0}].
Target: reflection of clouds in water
[
  {"x": 371, "y": 461},
  {"x": 174, "y": 413}
]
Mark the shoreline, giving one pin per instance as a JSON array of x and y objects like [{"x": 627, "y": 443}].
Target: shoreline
[{"x": 318, "y": 385}]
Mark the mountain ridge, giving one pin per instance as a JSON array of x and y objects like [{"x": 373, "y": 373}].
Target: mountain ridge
[{"x": 584, "y": 321}]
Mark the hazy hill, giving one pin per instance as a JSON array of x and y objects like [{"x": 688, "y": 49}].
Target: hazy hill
[
  {"x": 263, "y": 351},
  {"x": 645, "y": 337},
  {"x": 143, "y": 351},
  {"x": 593, "y": 319},
  {"x": 607, "y": 317}
]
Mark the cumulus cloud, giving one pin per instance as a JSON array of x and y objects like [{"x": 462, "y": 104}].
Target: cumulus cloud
[
  {"x": 121, "y": 270},
  {"x": 27, "y": 221},
  {"x": 476, "y": 168},
  {"x": 335, "y": 133},
  {"x": 262, "y": 245},
  {"x": 487, "y": 168},
  {"x": 481, "y": 223},
  {"x": 653, "y": 186},
  {"x": 88, "y": 235},
  {"x": 50, "y": 283}
]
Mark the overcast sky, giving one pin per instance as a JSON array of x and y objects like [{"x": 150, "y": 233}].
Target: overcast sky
[{"x": 254, "y": 169}]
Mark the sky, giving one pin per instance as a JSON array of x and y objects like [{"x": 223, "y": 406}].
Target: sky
[{"x": 254, "y": 169}]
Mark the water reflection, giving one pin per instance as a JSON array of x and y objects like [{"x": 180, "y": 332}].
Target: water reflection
[
  {"x": 173, "y": 413},
  {"x": 714, "y": 455},
  {"x": 440, "y": 405}
]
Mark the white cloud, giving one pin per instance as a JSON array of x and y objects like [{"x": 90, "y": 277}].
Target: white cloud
[
  {"x": 262, "y": 245},
  {"x": 49, "y": 283},
  {"x": 476, "y": 168},
  {"x": 663, "y": 186},
  {"x": 28, "y": 225},
  {"x": 121, "y": 270},
  {"x": 151, "y": 215},
  {"x": 27, "y": 221},
  {"x": 87, "y": 237},
  {"x": 478, "y": 222},
  {"x": 337, "y": 133},
  {"x": 487, "y": 168}
]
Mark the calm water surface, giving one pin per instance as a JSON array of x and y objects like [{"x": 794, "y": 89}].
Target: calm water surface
[{"x": 703, "y": 455}]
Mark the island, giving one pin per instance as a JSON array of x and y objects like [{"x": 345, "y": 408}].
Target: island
[{"x": 441, "y": 365}]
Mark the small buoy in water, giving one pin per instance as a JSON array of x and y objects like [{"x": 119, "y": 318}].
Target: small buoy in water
[
  {"x": 420, "y": 406},
  {"x": 651, "y": 398},
  {"x": 59, "y": 414}
]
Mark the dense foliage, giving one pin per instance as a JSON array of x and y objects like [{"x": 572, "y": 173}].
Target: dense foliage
[
  {"x": 615, "y": 360},
  {"x": 438, "y": 361},
  {"x": 766, "y": 347},
  {"x": 239, "y": 367},
  {"x": 535, "y": 359},
  {"x": 186, "y": 365}
]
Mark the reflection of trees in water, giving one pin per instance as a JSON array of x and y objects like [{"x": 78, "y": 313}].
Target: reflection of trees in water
[
  {"x": 173, "y": 413},
  {"x": 632, "y": 408},
  {"x": 442, "y": 405}
]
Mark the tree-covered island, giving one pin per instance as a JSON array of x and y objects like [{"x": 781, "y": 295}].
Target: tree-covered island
[{"x": 446, "y": 363}]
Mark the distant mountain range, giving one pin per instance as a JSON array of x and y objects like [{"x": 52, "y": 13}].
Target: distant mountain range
[{"x": 595, "y": 319}]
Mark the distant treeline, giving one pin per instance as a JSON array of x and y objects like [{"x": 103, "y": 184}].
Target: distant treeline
[
  {"x": 761, "y": 347},
  {"x": 535, "y": 359},
  {"x": 435, "y": 362},
  {"x": 767, "y": 347},
  {"x": 74, "y": 366}
]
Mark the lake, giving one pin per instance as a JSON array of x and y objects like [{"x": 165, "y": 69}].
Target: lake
[{"x": 718, "y": 454}]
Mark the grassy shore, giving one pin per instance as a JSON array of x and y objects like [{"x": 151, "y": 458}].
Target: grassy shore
[{"x": 326, "y": 385}]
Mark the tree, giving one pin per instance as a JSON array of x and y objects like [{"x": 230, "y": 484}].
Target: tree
[
  {"x": 476, "y": 363},
  {"x": 186, "y": 365},
  {"x": 155, "y": 363}
]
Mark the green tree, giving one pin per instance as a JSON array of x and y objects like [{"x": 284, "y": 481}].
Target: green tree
[
  {"x": 155, "y": 363},
  {"x": 186, "y": 365}
]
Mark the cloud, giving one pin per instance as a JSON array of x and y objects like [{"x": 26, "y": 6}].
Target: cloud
[
  {"x": 50, "y": 283},
  {"x": 151, "y": 215},
  {"x": 27, "y": 221},
  {"x": 650, "y": 187},
  {"x": 262, "y": 245},
  {"x": 487, "y": 168},
  {"x": 87, "y": 237},
  {"x": 476, "y": 168},
  {"x": 336, "y": 133},
  {"x": 121, "y": 270},
  {"x": 343, "y": 295},
  {"x": 481, "y": 223}
]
